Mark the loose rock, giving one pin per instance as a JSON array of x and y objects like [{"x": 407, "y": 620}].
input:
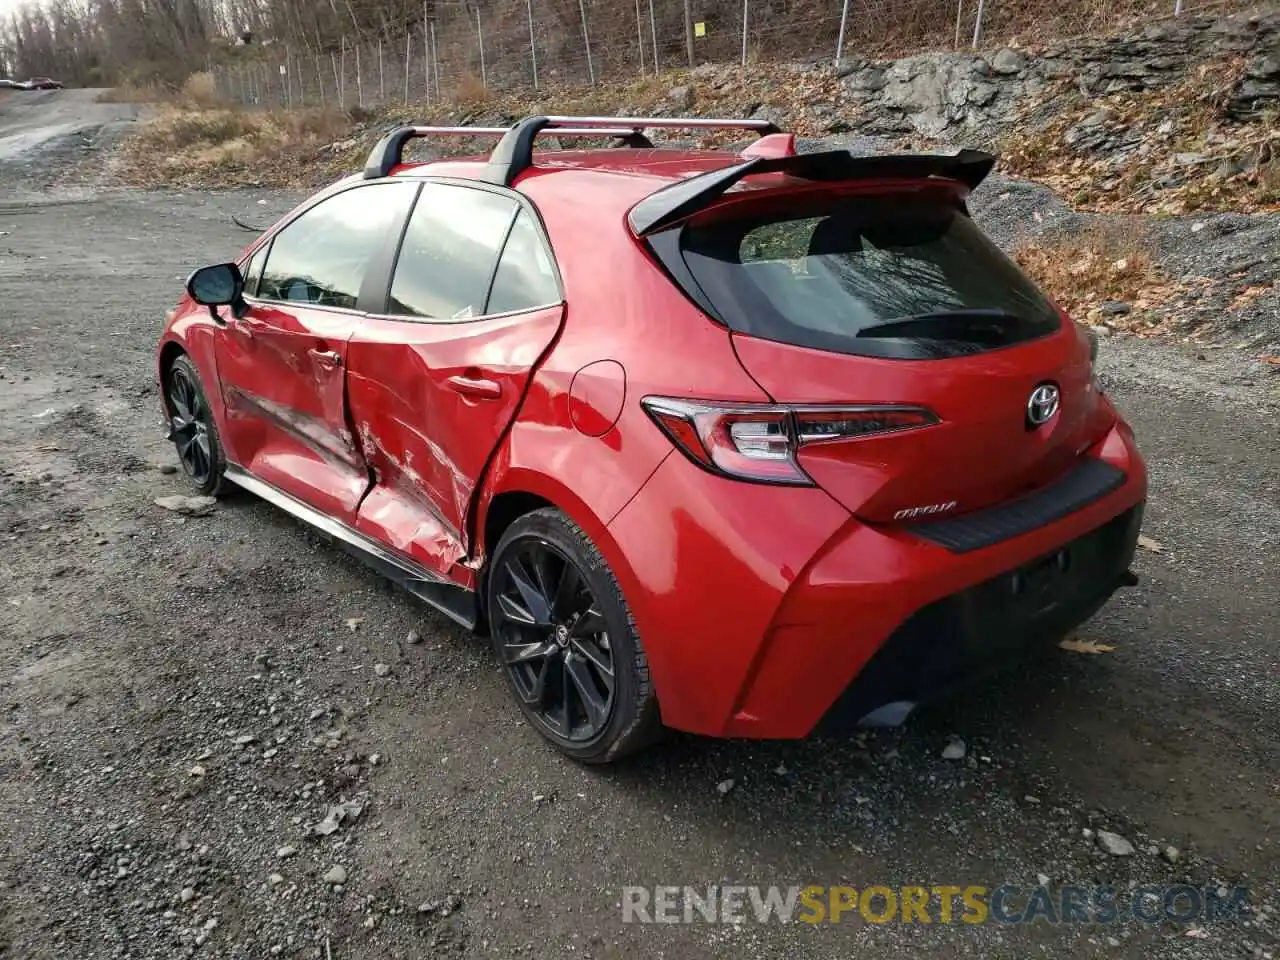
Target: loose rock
[
  {"x": 188, "y": 506},
  {"x": 681, "y": 96},
  {"x": 1114, "y": 844}
]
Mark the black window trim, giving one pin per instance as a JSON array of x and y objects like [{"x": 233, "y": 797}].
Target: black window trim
[
  {"x": 371, "y": 283},
  {"x": 523, "y": 204}
]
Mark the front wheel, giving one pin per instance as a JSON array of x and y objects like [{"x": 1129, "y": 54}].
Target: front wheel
[
  {"x": 192, "y": 429},
  {"x": 567, "y": 642}
]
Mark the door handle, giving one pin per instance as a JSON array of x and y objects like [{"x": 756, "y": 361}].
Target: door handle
[
  {"x": 471, "y": 387},
  {"x": 328, "y": 358}
]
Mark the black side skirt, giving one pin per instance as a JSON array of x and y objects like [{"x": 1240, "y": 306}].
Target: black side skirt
[{"x": 457, "y": 603}]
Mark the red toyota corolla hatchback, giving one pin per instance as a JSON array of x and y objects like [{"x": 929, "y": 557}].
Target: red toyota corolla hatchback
[{"x": 756, "y": 444}]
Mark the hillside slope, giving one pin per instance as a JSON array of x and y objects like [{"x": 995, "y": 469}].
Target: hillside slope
[{"x": 1157, "y": 154}]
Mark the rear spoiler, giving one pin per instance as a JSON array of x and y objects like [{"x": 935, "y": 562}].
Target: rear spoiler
[{"x": 685, "y": 197}]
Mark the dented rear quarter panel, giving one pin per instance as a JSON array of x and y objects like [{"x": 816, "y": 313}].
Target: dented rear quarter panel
[{"x": 622, "y": 308}]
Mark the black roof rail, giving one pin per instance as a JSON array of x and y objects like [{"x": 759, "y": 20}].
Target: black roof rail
[
  {"x": 678, "y": 200},
  {"x": 514, "y": 152}
]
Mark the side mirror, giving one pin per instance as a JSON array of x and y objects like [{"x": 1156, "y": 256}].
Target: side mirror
[{"x": 218, "y": 285}]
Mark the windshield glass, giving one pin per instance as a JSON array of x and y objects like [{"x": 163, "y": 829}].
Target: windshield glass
[{"x": 863, "y": 270}]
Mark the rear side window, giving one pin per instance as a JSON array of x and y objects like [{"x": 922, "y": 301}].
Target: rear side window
[
  {"x": 449, "y": 252},
  {"x": 525, "y": 277},
  {"x": 903, "y": 276}
]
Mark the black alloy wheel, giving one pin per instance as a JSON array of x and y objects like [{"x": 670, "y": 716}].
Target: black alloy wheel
[
  {"x": 554, "y": 641},
  {"x": 192, "y": 429},
  {"x": 566, "y": 641}
]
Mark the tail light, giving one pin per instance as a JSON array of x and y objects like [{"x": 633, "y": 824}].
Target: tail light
[{"x": 760, "y": 442}]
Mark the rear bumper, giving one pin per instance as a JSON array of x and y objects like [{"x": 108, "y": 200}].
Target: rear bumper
[
  {"x": 772, "y": 613},
  {"x": 955, "y": 640}
]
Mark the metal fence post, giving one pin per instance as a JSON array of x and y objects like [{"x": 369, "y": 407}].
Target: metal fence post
[
  {"x": 977, "y": 24},
  {"x": 533, "y": 46},
  {"x": 744, "y": 31},
  {"x": 640, "y": 36},
  {"x": 341, "y": 75},
  {"x": 428, "y": 57},
  {"x": 959, "y": 16},
  {"x": 688, "y": 32},
  {"x": 484, "y": 74},
  {"x": 435, "y": 59},
  {"x": 653, "y": 32},
  {"x": 359, "y": 77},
  {"x": 844, "y": 18},
  {"x": 586, "y": 39}
]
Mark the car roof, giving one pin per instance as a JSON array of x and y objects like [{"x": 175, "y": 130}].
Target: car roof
[
  {"x": 625, "y": 173},
  {"x": 658, "y": 185}
]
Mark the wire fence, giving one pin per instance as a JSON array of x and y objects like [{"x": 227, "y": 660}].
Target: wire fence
[{"x": 463, "y": 50}]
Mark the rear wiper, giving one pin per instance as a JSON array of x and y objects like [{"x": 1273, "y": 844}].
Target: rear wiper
[{"x": 950, "y": 323}]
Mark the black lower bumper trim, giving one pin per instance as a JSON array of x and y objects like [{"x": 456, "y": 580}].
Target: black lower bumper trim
[
  {"x": 1091, "y": 480},
  {"x": 955, "y": 640}
]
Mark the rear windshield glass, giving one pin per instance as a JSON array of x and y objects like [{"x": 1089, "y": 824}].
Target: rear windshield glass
[{"x": 903, "y": 276}]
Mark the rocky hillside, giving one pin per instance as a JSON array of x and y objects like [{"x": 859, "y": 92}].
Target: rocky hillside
[
  {"x": 959, "y": 95},
  {"x": 1177, "y": 118}
]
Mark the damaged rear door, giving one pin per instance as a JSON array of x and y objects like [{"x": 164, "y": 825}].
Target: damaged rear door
[{"x": 435, "y": 378}]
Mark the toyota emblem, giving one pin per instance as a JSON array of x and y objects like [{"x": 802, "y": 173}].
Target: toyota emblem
[{"x": 1042, "y": 404}]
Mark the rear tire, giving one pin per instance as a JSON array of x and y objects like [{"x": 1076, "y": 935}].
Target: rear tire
[
  {"x": 193, "y": 430},
  {"x": 567, "y": 641}
]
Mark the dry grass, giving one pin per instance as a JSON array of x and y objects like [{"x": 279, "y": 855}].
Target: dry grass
[
  {"x": 198, "y": 91},
  {"x": 470, "y": 89},
  {"x": 221, "y": 146},
  {"x": 201, "y": 90},
  {"x": 1105, "y": 262}
]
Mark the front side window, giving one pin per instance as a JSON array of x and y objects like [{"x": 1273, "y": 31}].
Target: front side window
[
  {"x": 321, "y": 257},
  {"x": 253, "y": 270},
  {"x": 449, "y": 252}
]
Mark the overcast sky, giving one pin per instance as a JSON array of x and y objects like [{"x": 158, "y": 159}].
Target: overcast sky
[{"x": 8, "y": 6}]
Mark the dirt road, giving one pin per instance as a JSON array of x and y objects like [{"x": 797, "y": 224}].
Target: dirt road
[
  {"x": 71, "y": 122},
  {"x": 184, "y": 699}
]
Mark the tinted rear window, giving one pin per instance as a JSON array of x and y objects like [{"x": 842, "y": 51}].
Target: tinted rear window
[{"x": 885, "y": 277}]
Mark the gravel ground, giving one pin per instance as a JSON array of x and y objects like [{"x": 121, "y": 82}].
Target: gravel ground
[{"x": 186, "y": 699}]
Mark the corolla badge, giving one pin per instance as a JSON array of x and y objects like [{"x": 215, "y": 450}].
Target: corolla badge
[{"x": 1043, "y": 404}]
